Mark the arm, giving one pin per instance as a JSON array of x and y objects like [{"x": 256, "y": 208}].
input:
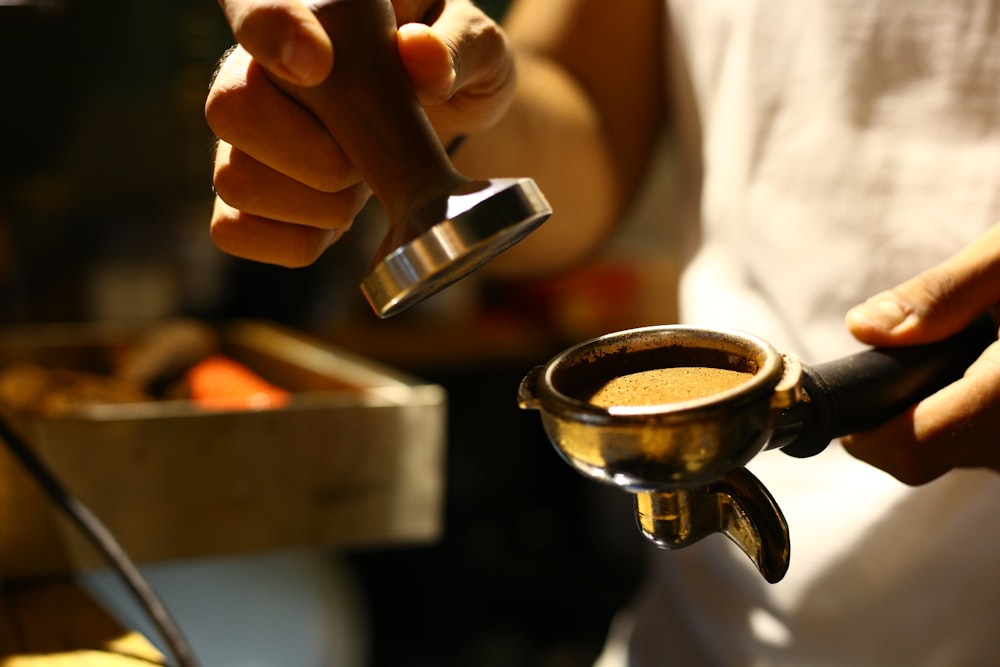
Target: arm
[{"x": 587, "y": 113}]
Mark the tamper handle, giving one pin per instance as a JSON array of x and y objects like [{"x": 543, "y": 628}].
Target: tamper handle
[
  {"x": 861, "y": 391},
  {"x": 368, "y": 105}
]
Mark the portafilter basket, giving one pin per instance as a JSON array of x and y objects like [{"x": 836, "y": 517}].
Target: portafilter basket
[{"x": 684, "y": 461}]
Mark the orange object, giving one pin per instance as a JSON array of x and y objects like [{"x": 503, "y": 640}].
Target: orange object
[{"x": 220, "y": 383}]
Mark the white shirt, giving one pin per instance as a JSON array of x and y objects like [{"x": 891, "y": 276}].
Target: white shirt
[{"x": 843, "y": 146}]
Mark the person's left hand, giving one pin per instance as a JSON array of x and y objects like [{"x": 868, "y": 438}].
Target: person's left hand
[{"x": 958, "y": 426}]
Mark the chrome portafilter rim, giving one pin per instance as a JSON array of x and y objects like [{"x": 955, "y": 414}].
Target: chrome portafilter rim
[
  {"x": 565, "y": 394},
  {"x": 681, "y": 444}
]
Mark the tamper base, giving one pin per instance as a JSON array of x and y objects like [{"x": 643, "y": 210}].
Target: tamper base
[{"x": 478, "y": 226}]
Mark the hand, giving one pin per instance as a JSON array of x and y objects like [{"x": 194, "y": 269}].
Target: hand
[
  {"x": 285, "y": 191},
  {"x": 956, "y": 427}
]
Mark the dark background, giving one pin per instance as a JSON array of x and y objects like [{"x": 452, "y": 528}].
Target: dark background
[{"x": 105, "y": 193}]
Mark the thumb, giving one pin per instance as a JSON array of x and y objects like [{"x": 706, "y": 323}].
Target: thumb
[
  {"x": 463, "y": 50},
  {"x": 936, "y": 303},
  {"x": 282, "y": 35},
  {"x": 429, "y": 62}
]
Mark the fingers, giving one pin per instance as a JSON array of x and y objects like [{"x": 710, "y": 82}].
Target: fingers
[
  {"x": 460, "y": 66},
  {"x": 954, "y": 428},
  {"x": 254, "y": 188},
  {"x": 482, "y": 60},
  {"x": 268, "y": 241},
  {"x": 284, "y": 36},
  {"x": 263, "y": 215},
  {"x": 287, "y": 192},
  {"x": 428, "y": 61},
  {"x": 244, "y": 108},
  {"x": 936, "y": 303}
]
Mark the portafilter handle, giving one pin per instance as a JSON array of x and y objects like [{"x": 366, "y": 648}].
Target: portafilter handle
[
  {"x": 858, "y": 392},
  {"x": 368, "y": 105}
]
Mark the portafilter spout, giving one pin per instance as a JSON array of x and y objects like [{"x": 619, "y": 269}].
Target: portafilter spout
[
  {"x": 684, "y": 460},
  {"x": 442, "y": 225}
]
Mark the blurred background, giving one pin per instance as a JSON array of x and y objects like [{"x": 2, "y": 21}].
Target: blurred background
[{"x": 105, "y": 194}]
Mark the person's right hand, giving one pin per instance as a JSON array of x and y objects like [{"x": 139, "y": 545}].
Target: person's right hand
[
  {"x": 955, "y": 427},
  {"x": 284, "y": 189}
]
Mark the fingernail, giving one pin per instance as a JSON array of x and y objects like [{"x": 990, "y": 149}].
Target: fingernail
[
  {"x": 882, "y": 312},
  {"x": 298, "y": 57}
]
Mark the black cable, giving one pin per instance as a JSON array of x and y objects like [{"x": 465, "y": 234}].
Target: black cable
[{"x": 105, "y": 542}]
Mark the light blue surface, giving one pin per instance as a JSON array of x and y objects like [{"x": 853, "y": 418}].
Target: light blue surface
[{"x": 281, "y": 609}]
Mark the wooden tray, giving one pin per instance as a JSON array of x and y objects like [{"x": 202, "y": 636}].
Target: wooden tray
[{"x": 355, "y": 458}]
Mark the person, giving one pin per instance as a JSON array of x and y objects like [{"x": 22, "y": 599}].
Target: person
[{"x": 839, "y": 160}]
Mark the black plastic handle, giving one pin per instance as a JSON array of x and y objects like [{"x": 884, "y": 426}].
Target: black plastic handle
[{"x": 861, "y": 391}]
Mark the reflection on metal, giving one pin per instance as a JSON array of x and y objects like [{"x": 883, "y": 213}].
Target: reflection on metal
[
  {"x": 684, "y": 461},
  {"x": 737, "y": 505},
  {"x": 473, "y": 226}
]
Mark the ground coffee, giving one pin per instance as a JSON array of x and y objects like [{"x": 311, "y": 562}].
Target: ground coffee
[{"x": 667, "y": 385}]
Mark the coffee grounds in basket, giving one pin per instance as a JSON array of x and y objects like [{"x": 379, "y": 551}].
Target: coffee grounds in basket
[{"x": 667, "y": 385}]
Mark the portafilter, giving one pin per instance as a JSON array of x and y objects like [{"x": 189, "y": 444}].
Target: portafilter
[
  {"x": 683, "y": 460},
  {"x": 441, "y": 224}
]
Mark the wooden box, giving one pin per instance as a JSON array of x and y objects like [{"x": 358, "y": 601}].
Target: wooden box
[{"x": 354, "y": 458}]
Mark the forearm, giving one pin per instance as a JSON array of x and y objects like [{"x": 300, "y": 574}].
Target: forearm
[
  {"x": 553, "y": 134},
  {"x": 588, "y": 110}
]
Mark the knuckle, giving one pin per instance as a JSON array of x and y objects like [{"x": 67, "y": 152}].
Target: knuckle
[
  {"x": 228, "y": 94},
  {"x": 928, "y": 290},
  {"x": 223, "y": 107},
  {"x": 230, "y": 185},
  {"x": 307, "y": 247},
  {"x": 492, "y": 36},
  {"x": 332, "y": 176}
]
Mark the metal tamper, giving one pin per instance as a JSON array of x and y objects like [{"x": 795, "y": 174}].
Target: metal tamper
[{"x": 442, "y": 225}]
